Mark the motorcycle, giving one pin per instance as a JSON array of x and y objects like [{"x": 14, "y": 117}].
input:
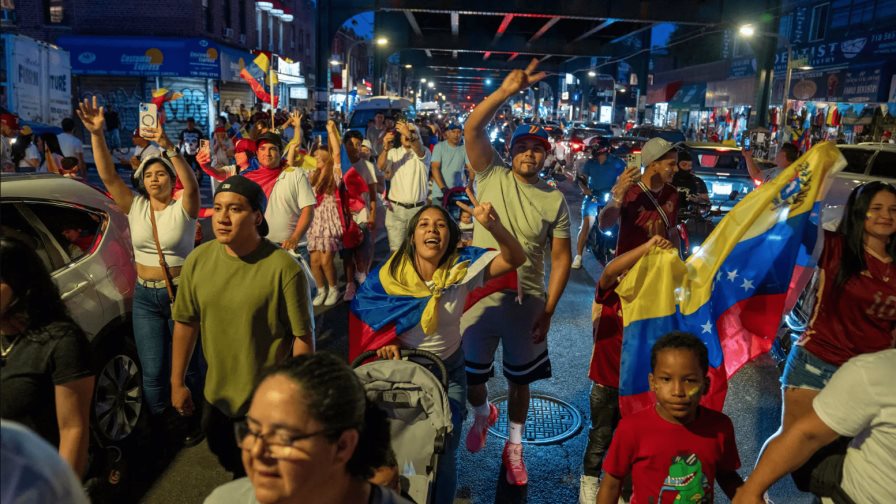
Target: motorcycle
[{"x": 602, "y": 244}]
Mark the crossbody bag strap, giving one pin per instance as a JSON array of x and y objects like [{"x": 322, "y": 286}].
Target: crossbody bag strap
[
  {"x": 169, "y": 281},
  {"x": 656, "y": 204}
]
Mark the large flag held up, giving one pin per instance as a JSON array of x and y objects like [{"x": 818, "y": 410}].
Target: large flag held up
[
  {"x": 734, "y": 291},
  {"x": 261, "y": 78}
]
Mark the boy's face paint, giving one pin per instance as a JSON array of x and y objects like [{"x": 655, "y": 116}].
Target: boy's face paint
[{"x": 678, "y": 382}]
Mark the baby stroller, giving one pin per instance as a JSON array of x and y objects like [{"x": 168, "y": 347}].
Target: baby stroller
[{"x": 416, "y": 403}]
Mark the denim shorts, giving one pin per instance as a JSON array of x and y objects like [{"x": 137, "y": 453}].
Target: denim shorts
[{"x": 805, "y": 370}]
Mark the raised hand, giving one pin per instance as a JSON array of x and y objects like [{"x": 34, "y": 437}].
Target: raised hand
[
  {"x": 92, "y": 116},
  {"x": 519, "y": 80},
  {"x": 403, "y": 128},
  {"x": 628, "y": 178},
  {"x": 296, "y": 118},
  {"x": 484, "y": 213},
  {"x": 156, "y": 135}
]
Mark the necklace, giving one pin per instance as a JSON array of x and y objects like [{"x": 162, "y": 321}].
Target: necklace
[{"x": 4, "y": 352}]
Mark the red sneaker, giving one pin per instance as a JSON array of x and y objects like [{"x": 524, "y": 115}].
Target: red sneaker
[
  {"x": 513, "y": 462},
  {"x": 479, "y": 430}
]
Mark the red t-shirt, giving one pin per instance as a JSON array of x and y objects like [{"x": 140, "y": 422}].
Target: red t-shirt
[
  {"x": 667, "y": 460},
  {"x": 606, "y": 328},
  {"x": 856, "y": 318},
  {"x": 639, "y": 219}
]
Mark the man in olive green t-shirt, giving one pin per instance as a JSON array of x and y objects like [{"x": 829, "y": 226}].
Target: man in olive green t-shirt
[
  {"x": 250, "y": 301},
  {"x": 537, "y": 215}
]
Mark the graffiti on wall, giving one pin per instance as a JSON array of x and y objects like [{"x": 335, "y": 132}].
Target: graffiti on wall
[{"x": 124, "y": 100}]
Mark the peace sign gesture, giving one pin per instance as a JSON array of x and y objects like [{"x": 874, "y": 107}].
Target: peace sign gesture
[
  {"x": 484, "y": 213},
  {"x": 519, "y": 80}
]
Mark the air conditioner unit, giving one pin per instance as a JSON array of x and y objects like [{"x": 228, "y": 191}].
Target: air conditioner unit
[
  {"x": 228, "y": 32},
  {"x": 243, "y": 38}
]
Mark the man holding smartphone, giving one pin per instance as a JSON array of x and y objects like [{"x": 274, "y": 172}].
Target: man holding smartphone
[{"x": 407, "y": 167}]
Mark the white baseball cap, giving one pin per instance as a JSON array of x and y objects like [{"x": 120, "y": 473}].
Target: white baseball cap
[{"x": 654, "y": 149}]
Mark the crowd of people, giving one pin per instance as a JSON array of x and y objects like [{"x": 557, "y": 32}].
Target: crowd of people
[{"x": 289, "y": 422}]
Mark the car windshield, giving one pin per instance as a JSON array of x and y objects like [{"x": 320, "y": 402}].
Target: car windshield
[{"x": 730, "y": 161}]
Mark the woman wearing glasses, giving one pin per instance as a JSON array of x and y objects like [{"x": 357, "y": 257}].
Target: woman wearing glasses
[{"x": 310, "y": 436}]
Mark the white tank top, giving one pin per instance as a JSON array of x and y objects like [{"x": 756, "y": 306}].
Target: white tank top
[{"x": 177, "y": 231}]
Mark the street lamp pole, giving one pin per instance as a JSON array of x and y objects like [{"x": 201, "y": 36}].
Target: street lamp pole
[{"x": 782, "y": 121}]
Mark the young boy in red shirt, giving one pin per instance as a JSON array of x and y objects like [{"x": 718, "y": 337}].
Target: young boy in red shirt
[
  {"x": 676, "y": 450},
  {"x": 604, "y": 366}
]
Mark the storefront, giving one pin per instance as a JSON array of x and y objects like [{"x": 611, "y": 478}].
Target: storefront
[
  {"x": 658, "y": 97},
  {"x": 124, "y": 71},
  {"x": 728, "y": 107},
  {"x": 686, "y": 106},
  {"x": 845, "y": 104},
  {"x": 291, "y": 89},
  {"x": 233, "y": 91}
]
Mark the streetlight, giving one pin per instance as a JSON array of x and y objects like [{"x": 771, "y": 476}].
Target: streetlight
[
  {"x": 423, "y": 81},
  {"x": 431, "y": 84},
  {"x": 592, "y": 73},
  {"x": 488, "y": 82},
  {"x": 747, "y": 31},
  {"x": 381, "y": 41},
  {"x": 409, "y": 66},
  {"x": 335, "y": 62}
]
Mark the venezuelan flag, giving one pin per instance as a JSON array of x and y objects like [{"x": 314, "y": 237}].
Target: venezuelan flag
[
  {"x": 378, "y": 314},
  {"x": 261, "y": 78},
  {"x": 734, "y": 291}
]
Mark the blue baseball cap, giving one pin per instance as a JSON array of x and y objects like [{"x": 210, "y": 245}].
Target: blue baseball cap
[
  {"x": 531, "y": 131},
  {"x": 454, "y": 126}
]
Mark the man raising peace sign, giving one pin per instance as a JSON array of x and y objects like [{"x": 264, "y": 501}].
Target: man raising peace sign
[{"x": 536, "y": 214}]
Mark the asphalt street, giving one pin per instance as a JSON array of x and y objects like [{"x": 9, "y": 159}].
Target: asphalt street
[{"x": 753, "y": 403}]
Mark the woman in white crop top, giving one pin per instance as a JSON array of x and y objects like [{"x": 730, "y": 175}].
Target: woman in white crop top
[{"x": 154, "y": 181}]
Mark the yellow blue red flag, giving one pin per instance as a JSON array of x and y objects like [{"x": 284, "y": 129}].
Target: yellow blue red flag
[
  {"x": 734, "y": 291},
  {"x": 261, "y": 78}
]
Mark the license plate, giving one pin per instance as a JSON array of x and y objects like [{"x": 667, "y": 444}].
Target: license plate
[{"x": 718, "y": 188}]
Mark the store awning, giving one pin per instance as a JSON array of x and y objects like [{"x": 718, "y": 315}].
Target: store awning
[
  {"x": 662, "y": 93},
  {"x": 689, "y": 97},
  {"x": 731, "y": 93}
]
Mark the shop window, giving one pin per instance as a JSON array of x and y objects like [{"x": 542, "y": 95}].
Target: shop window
[
  {"x": 862, "y": 13},
  {"x": 242, "y": 17},
  {"x": 884, "y": 165},
  {"x": 54, "y": 11},
  {"x": 207, "y": 14},
  {"x": 819, "y": 25}
]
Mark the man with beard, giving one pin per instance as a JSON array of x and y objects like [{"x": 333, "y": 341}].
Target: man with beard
[{"x": 537, "y": 215}]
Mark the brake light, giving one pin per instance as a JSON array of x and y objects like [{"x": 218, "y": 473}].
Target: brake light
[
  {"x": 757, "y": 182},
  {"x": 576, "y": 146}
]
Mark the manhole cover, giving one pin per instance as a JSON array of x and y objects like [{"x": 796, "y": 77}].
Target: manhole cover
[{"x": 550, "y": 420}]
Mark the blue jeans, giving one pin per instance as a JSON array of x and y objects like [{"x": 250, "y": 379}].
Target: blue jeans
[
  {"x": 153, "y": 329},
  {"x": 805, "y": 370},
  {"x": 446, "y": 475}
]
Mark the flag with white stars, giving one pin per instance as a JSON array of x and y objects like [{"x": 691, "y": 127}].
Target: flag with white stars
[{"x": 733, "y": 293}]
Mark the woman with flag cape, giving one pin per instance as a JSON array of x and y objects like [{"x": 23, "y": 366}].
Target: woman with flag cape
[{"x": 416, "y": 299}]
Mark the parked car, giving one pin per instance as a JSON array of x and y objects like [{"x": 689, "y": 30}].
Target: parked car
[
  {"x": 669, "y": 134},
  {"x": 724, "y": 170},
  {"x": 84, "y": 241},
  {"x": 865, "y": 162}
]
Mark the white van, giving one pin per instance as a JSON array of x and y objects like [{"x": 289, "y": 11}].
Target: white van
[{"x": 366, "y": 109}]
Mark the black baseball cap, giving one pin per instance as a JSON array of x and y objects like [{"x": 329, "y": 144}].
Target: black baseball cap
[
  {"x": 252, "y": 192},
  {"x": 270, "y": 137}
]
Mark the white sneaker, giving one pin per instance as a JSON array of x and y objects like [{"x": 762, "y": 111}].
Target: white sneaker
[
  {"x": 577, "y": 262},
  {"x": 332, "y": 297},
  {"x": 319, "y": 298},
  {"x": 588, "y": 486}
]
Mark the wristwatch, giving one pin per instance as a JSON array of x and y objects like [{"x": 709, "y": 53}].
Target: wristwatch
[{"x": 170, "y": 153}]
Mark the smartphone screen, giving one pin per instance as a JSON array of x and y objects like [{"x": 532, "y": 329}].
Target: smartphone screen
[{"x": 747, "y": 143}]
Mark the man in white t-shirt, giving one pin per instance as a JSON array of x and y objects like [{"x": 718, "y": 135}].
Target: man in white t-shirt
[
  {"x": 71, "y": 145},
  {"x": 407, "y": 167},
  {"x": 858, "y": 402}
]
